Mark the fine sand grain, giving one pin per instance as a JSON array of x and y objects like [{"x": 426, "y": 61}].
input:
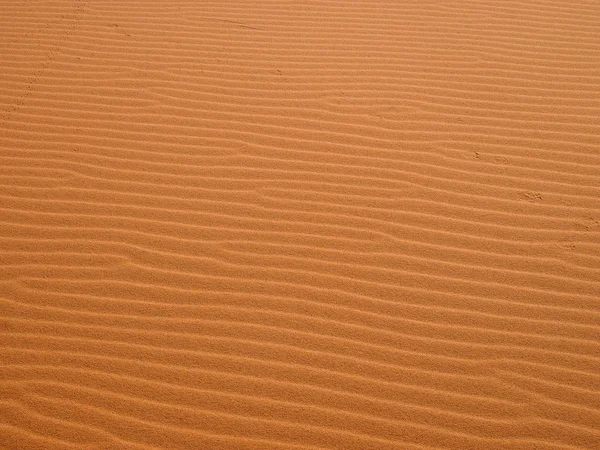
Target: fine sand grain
[{"x": 248, "y": 224}]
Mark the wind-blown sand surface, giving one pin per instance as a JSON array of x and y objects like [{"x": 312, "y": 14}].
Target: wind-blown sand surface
[{"x": 300, "y": 225}]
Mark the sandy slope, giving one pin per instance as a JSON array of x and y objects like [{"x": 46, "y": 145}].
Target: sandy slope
[{"x": 310, "y": 224}]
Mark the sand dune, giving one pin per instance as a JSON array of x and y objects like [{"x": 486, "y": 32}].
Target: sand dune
[{"x": 300, "y": 225}]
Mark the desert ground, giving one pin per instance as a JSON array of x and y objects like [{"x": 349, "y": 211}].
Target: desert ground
[{"x": 313, "y": 224}]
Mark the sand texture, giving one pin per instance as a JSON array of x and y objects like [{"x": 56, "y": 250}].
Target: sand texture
[{"x": 260, "y": 224}]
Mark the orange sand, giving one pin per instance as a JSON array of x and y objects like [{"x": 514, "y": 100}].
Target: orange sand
[{"x": 300, "y": 225}]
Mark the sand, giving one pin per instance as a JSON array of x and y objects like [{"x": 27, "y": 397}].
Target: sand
[{"x": 300, "y": 225}]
